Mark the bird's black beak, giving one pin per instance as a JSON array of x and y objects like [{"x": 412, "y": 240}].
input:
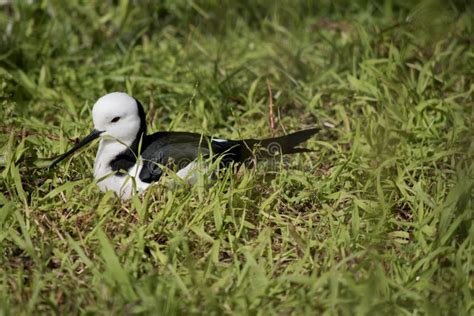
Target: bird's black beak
[{"x": 95, "y": 134}]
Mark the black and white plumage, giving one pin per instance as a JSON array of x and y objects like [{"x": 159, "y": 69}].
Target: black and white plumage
[{"x": 127, "y": 155}]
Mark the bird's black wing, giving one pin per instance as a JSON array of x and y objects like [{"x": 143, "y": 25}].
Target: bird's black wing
[{"x": 176, "y": 150}]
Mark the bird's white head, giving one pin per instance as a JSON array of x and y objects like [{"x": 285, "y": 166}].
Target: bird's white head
[{"x": 118, "y": 116}]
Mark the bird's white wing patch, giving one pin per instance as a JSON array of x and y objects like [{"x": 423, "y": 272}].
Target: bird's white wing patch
[
  {"x": 219, "y": 140},
  {"x": 188, "y": 173},
  {"x": 191, "y": 172}
]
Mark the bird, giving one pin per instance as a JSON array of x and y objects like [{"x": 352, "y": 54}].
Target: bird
[{"x": 129, "y": 160}]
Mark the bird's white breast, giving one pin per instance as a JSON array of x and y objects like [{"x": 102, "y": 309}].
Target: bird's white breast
[{"x": 123, "y": 185}]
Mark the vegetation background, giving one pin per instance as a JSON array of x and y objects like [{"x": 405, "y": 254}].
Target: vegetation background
[{"x": 378, "y": 220}]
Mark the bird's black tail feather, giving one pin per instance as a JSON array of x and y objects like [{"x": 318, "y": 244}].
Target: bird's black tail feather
[{"x": 272, "y": 147}]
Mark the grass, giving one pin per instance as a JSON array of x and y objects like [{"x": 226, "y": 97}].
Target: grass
[{"x": 378, "y": 220}]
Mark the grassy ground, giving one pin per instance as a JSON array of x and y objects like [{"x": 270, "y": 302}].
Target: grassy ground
[{"x": 378, "y": 220}]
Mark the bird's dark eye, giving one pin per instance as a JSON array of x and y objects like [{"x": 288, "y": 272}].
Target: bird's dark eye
[{"x": 115, "y": 119}]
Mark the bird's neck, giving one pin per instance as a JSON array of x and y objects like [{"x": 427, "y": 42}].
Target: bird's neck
[
  {"x": 107, "y": 152},
  {"x": 114, "y": 155}
]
